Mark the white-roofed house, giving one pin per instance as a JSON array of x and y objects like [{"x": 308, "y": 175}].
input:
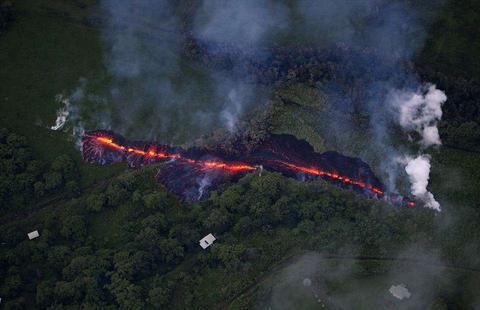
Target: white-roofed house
[
  {"x": 400, "y": 291},
  {"x": 34, "y": 234},
  {"x": 207, "y": 241}
]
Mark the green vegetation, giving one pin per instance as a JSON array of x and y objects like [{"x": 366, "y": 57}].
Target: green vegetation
[
  {"x": 130, "y": 243},
  {"x": 113, "y": 238},
  {"x": 451, "y": 59},
  {"x": 453, "y": 44},
  {"x": 294, "y": 112},
  {"x": 349, "y": 282}
]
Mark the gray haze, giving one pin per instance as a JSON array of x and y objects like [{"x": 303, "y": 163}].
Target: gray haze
[
  {"x": 316, "y": 281},
  {"x": 392, "y": 33},
  {"x": 150, "y": 91},
  {"x": 243, "y": 23}
]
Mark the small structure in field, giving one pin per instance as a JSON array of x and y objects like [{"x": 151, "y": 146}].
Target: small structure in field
[
  {"x": 34, "y": 234},
  {"x": 207, "y": 241},
  {"x": 400, "y": 291}
]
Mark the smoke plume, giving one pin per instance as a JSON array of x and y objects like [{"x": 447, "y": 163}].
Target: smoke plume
[
  {"x": 62, "y": 113},
  {"x": 245, "y": 23},
  {"x": 420, "y": 112},
  {"x": 150, "y": 90},
  {"x": 153, "y": 92},
  {"x": 384, "y": 35},
  {"x": 418, "y": 170},
  {"x": 247, "y": 26}
]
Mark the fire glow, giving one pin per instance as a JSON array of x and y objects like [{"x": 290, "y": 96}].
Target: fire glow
[
  {"x": 152, "y": 153},
  {"x": 282, "y": 153},
  {"x": 335, "y": 176}
]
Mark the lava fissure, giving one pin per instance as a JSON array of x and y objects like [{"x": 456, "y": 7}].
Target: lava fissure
[{"x": 190, "y": 173}]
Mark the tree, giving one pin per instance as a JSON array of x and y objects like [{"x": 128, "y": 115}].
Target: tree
[
  {"x": 57, "y": 256},
  {"x": 12, "y": 285},
  {"x": 64, "y": 165},
  {"x": 45, "y": 293},
  {"x": 95, "y": 202},
  {"x": 72, "y": 188},
  {"x": 68, "y": 292},
  {"x": 131, "y": 264},
  {"x": 127, "y": 294},
  {"x": 160, "y": 294},
  {"x": 243, "y": 226},
  {"x": 229, "y": 255},
  {"x": 218, "y": 220},
  {"x": 171, "y": 250},
  {"x": 74, "y": 228},
  {"x": 53, "y": 180},
  {"x": 39, "y": 189},
  {"x": 155, "y": 200},
  {"x": 306, "y": 227},
  {"x": 116, "y": 194},
  {"x": 231, "y": 198}
]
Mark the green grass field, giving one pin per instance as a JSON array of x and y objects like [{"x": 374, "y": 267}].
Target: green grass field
[{"x": 45, "y": 53}]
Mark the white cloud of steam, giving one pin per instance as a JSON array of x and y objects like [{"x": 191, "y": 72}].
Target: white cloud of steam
[
  {"x": 430, "y": 136},
  {"x": 418, "y": 170},
  {"x": 69, "y": 115},
  {"x": 421, "y": 112},
  {"x": 62, "y": 113}
]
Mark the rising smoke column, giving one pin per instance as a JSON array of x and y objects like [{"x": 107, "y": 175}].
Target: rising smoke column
[
  {"x": 246, "y": 25},
  {"x": 143, "y": 42},
  {"x": 418, "y": 170},
  {"x": 387, "y": 34},
  {"x": 155, "y": 92},
  {"x": 149, "y": 89},
  {"x": 420, "y": 112}
]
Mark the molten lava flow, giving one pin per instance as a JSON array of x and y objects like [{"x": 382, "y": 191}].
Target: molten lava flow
[
  {"x": 335, "y": 176},
  {"x": 108, "y": 142},
  {"x": 221, "y": 165},
  {"x": 187, "y": 170},
  {"x": 152, "y": 153}
]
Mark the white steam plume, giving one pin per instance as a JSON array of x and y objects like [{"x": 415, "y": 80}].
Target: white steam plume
[
  {"x": 232, "y": 110},
  {"x": 418, "y": 170},
  {"x": 421, "y": 112},
  {"x": 62, "y": 113}
]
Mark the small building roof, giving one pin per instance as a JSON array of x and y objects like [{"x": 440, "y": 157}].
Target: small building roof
[
  {"x": 34, "y": 234},
  {"x": 207, "y": 241},
  {"x": 400, "y": 291}
]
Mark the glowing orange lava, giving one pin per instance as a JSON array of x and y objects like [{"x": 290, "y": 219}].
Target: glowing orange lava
[
  {"x": 150, "y": 153},
  {"x": 335, "y": 176},
  {"x": 237, "y": 167},
  {"x": 154, "y": 154}
]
